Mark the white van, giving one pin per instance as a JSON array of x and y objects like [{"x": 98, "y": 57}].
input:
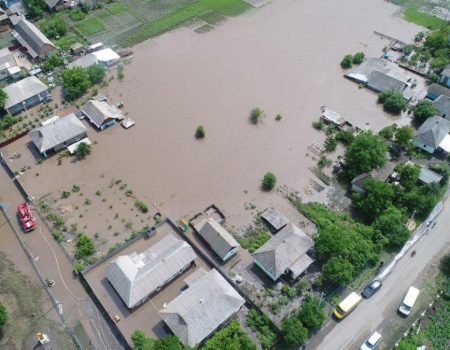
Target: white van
[
  {"x": 408, "y": 301},
  {"x": 372, "y": 342}
]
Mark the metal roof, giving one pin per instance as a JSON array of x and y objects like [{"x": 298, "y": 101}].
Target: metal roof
[
  {"x": 275, "y": 219},
  {"x": 428, "y": 176},
  {"x": 380, "y": 174},
  {"x": 442, "y": 106},
  {"x": 199, "y": 310},
  {"x": 432, "y": 131},
  {"x": 283, "y": 250},
  {"x": 23, "y": 90},
  {"x": 446, "y": 71},
  {"x": 53, "y": 134},
  {"x": 30, "y": 37},
  {"x": 436, "y": 90},
  {"x": 136, "y": 276},
  {"x": 383, "y": 82},
  {"x": 100, "y": 112},
  {"x": 7, "y": 59},
  {"x": 219, "y": 239},
  {"x": 84, "y": 61}
]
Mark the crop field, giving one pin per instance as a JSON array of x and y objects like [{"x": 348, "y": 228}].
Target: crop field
[{"x": 423, "y": 19}]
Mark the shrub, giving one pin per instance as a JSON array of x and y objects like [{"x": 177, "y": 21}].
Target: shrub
[
  {"x": 200, "y": 132},
  {"x": 84, "y": 246},
  {"x": 75, "y": 188},
  {"x": 358, "y": 58},
  {"x": 256, "y": 238},
  {"x": 82, "y": 150},
  {"x": 347, "y": 61},
  {"x": 3, "y": 316},
  {"x": 255, "y": 115},
  {"x": 324, "y": 162},
  {"x": 260, "y": 324},
  {"x": 445, "y": 266},
  {"x": 77, "y": 15},
  {"x": 330, "y": 144},
  {"x": 128, "y": 193},
  {"x": 57, "y": 220},
  {"x": 141, "y": 206},
  {"x": 58, "y": 236},
  {"x": 311, "y": 314},
  {"x": 52, "y": 62},
  {"x": 423, "y": 110},
  {"x": 392, "y": 101},
  {"x": 294, "y": 333},
  {"x": 318, "y": 125},
  {"x": 269, "y": 181},
  {"x": 65, "y": 194},
  {"x": 96, "y": 73},
  {"x": 344, "y": 136}
]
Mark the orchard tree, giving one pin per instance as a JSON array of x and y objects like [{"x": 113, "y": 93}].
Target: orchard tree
[
  {"x": 392, "y": 101},
  {"x": 366, "y": 152},
  {"x": 423, "y": 110},
  {"x": 404, "y": 135},
  {"x": 391, "y": 224},
  {"x": 377, "y": 197},
  {"x": 96, "y": 73},
  {"x": 75, "y": 83},
  {"x": 294, "y": 333},
  {"x": 85, "y": 246},
  {"x": 409, "y": 174},
  {"x": 311, "y": 314}
]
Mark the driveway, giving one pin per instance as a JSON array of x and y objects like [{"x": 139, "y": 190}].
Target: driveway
[{"x": 379, "y": 312}]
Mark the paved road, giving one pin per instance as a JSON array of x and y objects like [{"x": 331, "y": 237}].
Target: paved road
[{"x": 379, "y": 312}]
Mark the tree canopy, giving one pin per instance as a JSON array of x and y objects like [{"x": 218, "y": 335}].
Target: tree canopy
[
  {"x": 53, "y": 27},
  {"x": 347, "y": 61},
  {"x": 377, "y": 197},
  {"x": 423, "y": 110},
  {"x": 3, "y": 97},
  {"x": 269, "y": 181},
  {"x": 3, "y": 316},
  {"x": 392, "y": 101},
  {"x": 232, "y": 337},
  {"x": 75, "y": 83},
  {"x": 294, "y": 333},
  {"x": 96, "y": 73},
  {"x": 311, "y": 314},
  {"x": 82, "y": 150},
  {"x": 52, "y": 62},
  {"x": 391, "y": 225},
  {"x": 85, "y": 246},
  {"x": 409, "y": 173},
  {"x": 404, "y": 135},
  {"x": 35, "y": 8},
  {"x": 366, "y": 152}
]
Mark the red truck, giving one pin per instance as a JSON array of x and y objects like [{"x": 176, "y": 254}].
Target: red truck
[{"x": 27, "y": 220}]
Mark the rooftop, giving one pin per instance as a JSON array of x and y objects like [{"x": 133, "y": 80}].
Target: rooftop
[
  {"x": 432, "y": 131},
  {"x": 283, "y": 250},
  {"x": 428, "y": 176},
  {"x": 99, "y": 112},
  {"x": 381, "y": 174},
  {"x": 382, "y": 82},
  {"x": 199, "y": 310},
  {"x": 30, "y": 37},
  {"x": 275, "y": 219},
  {"x": 438, "y": 90},
  {"x": 136, "y": 276},
  {"x": 23, "y": 90},
  {"x": 442, "y": 106},
  {"x": 57, "y": 132}
]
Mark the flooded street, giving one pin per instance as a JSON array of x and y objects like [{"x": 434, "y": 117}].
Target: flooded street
[{"x": 283, "y": 58}]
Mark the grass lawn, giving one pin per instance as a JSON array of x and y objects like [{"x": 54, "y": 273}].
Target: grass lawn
[
  {"x": 117, "y": 8},
  {"x": 198, "y": 8},
  {"x": 67, "y": 41},
  {"x": 422, "y": 19},
  {"x": 90, "y": 25}
]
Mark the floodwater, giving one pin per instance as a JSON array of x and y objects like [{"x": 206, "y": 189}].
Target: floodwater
[{"x": 283, "y": 58}]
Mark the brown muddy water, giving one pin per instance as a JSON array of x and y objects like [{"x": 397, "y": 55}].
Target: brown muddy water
[{"x": 283, "y": 58}]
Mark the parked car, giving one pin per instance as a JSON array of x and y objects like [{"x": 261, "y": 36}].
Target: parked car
[
  {"x": 371, "y": 288},
  {"x": 371, "y": 342}
]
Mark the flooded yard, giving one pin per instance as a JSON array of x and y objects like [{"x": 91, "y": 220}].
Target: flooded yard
[{"x": 283, "y": 58}]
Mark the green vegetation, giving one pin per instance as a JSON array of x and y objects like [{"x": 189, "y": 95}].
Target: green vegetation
[
  {"x": 77, "y": 15},
  {"x": 366, "y": 152},
  {"x": 75, "y": 83},
  {"x": 3, "y": 316},
  {"x": 422, "y": 110},
  {"x": 345, "y": 137},
  {"x": 65, "y": 194},
  {"x": 66, "y": 41},
  {"x": 116, "y": 8},
  {"x": 142, "y": 342},
  {"x": 330, "y": 144},
  {"x": 392, "y": 101},
  {"x": 96, "y": 73},
  {"x": 141, "y": 206},
  {"x": 7, "y": 121},
  {"x": 194, "y": 9},
  {"x": 388, "y": 132},
  {"x": 75, "y": 188},
  {"x": 391, "y": 223},
  {"x": 35, "y": 8},
  {"x": 423, "y": 19},
  {"x": 259, "y": 323},
  {"x": 358, "y": 58},
  {"x": 294, "y": 333},
  {"x": 256, "y": 114},
  {"x": 84, "y": 246},
  {"x": 120, "y": 72},
  {"x": 269, "y": 181},
  {"x": 52, "y": 62},
  {"x": 82, "y": 150},
  {"x": 57, "y": 235},
  {"x": 90, "y": 26},
  {"x": 232, "y": 337},
  {"x": 3, "y": 97},
  {"x": 254, "y": 238},
  {"x": 377, "y": 197},
  {"x": 200, "y": 132},
  {"x": 404, "y": 135},
  {"x": 347, "y": 61},
  {"x": 55, "y": 219},
  {"x": 53, "y": 27}
]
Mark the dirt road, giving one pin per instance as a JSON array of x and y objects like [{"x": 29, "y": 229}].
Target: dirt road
[{"x": 379, "y": 312}]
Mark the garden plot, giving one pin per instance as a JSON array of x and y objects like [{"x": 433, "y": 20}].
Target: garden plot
[{"x": 108, "y": 214}]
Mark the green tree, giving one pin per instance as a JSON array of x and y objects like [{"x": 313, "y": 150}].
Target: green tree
[
  {"x": 232, "y": 337},
  {"x": 85, "y": 246},
  {"x": 358, "y": 58},
  {"x": 392, "y": 101},
  {"x": 391, "y": 224},
  {"x": 256, "y": 114},
  {"x": 35, "y": 8},
  {"x": 96, "y": 73},
  {"x": 294, "y": 333},
  {"x": 53, "y": 27},
  {"x": 269, "y": 181},
  {"x": 3, "y": 316},
  {"x": 52, "y": 62},
  {"x": 436, "y": 41},
  {"x": 141, "y": 341},
  {"x": 82, "y": 150},
  {"x": 7, "y": 121},
  {"x": 423, "y": 110},
  {"x": 366, "y": 152},
  {"x": 3, "y": 97},
  {"x": 338, "y": 272},
  {"x": 200, "y": 132},
  {"x": 377, "y": 197},
  {"x": 169, "y": 342},
  {"x": 409, "y": 173},
  {"x": 347, "y": 61},
  {"x": 445, "y": 265},
  {"x": 311, "y": 314},
  {"x": 330, "y": 144},
  {"x": 404, "y": 135},
  {"x": 388, "y": 132},
  {"x": 75, "y": 83}
]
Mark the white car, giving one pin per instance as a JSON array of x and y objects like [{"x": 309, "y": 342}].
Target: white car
[{"x": 371, "y": 342}]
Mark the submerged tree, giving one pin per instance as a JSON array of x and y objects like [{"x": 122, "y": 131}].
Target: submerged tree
[
  {"x": 82, "y": 150},
  {"x": 269, "y": 181}
]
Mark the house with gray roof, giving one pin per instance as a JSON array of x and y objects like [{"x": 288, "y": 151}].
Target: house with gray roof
[
  {"x": 57, "y": 5},
  {"x": 84, "y": 61},
  {"x": 58, "y": 134},
  {"x": 433, "y": 135},
  {"x": 31, "y": 38},
  {"x": 219, "y": 239},
  {"x": 442, "y": 106},
  {"x": 285, "y": 253},
  {"x": 208, "y": 302},
  {"x": 24, "y": 94},
  {"x": 381, "y": 82},
  {"x": 436, "y": 90},
  {"x": 444, "y": 77},
  {"x": 381, "y": 174},
  {"x": 274, "y": 219},
  {"x": 9, "y": 66},
  {"x": 101, "y": 114},
  {"x": 136, "y": 277}
]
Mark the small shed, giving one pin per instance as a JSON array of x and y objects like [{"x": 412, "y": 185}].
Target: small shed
[
  {"x": 428, "y": 176},
  {"x": 76, "y": 48},
  {"x": 274, "y": 219},
  {"x": 333, "y": 117}
]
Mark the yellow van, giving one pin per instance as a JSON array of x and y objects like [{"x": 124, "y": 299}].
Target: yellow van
[{"x": 347, "y": 305}]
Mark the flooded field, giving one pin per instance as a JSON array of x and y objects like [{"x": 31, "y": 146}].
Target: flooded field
[{"x": 283, "y": 58}]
